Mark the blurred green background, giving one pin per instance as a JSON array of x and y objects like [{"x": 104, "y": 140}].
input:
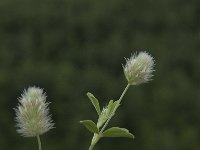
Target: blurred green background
[{"x": 70, "y": 47}]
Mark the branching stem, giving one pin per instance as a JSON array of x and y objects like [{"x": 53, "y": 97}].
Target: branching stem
[
  {"x": 96, "y": 139},
  {"x": 112, "y": 114}
]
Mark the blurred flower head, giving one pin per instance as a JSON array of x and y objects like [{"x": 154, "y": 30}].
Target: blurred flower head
[
  {"x": 139, "y": 68},
  {"x": 32, "y": 113}
]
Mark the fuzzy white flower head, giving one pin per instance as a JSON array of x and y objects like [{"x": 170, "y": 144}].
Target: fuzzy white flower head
[
  {"x": 32, "y": 114},
  {"x": 139, "y": 68}
]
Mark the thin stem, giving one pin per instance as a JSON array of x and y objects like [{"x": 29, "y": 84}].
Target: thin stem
[
  {"x": 91, "y": 147},
  {"x": 95, "y": 139},
  {"x": 120, "y": 99},
  {"x": 39, "y": 142}
]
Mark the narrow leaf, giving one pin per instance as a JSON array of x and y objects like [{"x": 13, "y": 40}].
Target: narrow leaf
[
  {"x": 110, "y": 105},
  {"x": 115, "y": 104},
  {"x": 117, "y": 132},
  {"x": 90, "y": 125},
  {"x": 95, "y": 102}
]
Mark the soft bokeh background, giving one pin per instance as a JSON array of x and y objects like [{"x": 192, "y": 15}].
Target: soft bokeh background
[{"x": 70, "y": 47}]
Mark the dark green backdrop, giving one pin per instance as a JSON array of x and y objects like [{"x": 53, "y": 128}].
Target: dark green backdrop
[{"x": 70, "y": 47}]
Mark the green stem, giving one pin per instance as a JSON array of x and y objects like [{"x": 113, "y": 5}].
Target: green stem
[
  {"x": 120, "y": 99},
  {"x": 91, "y": 147},
  {"x": 96, "y": 137},
  {"x": 39, "y": 142}
]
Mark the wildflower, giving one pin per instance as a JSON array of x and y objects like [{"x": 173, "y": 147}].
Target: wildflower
[
  {"x": 32, "y": 113},
  {"x": 139, "y": 68}
]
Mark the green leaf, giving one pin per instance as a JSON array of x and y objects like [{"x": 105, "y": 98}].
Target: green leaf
[
  {"x": 95, "y": 102},
  {"x": 115, "y": 104},
  {"x": 105, "y": 114},
  {"x": 110, "y": 105},
  {"x": 117, "y": 132},
  {"x": 90, "y": 125}
]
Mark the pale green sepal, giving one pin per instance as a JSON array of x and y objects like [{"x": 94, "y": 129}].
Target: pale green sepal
[
  {"x": 90, "y": 125},
  {"x": 117, "y": 132},
  {"x": 95, "y": 102}
]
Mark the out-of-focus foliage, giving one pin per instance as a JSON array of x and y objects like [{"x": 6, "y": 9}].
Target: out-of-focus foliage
[{"x": 70, "y": 47}]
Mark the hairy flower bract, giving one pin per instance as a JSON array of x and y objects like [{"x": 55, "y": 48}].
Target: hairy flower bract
[
  {"x": 32, "y": 113},
  {"x": 139, "y": 68}
]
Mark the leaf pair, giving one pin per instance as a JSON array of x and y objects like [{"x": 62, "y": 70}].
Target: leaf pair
[
  {"x": 95, "y": 102},
  {"x": 107, "y": 112},
  {"x": 112, "y": 132}
]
